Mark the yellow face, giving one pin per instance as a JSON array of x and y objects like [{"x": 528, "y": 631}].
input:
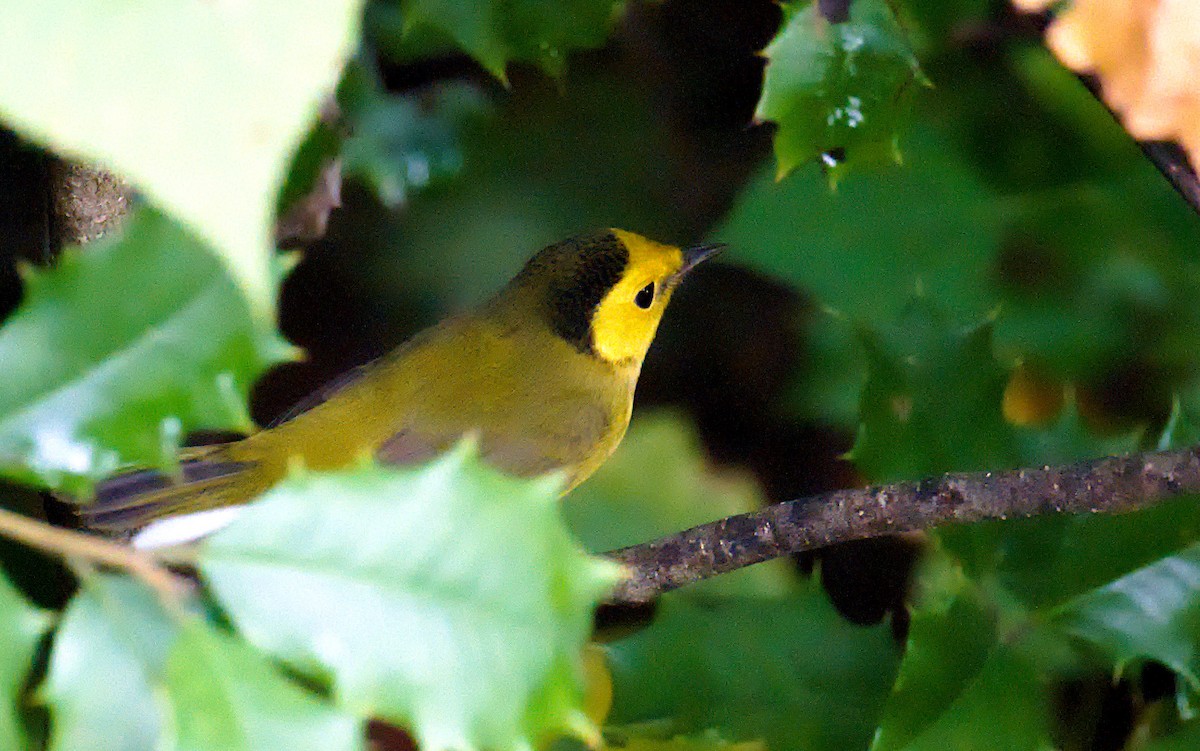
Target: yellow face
[{"x": 625, "y": 321}]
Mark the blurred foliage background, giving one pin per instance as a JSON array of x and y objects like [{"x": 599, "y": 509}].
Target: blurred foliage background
[
  {"x": 998, "y": 279},
  {"x": 1018, "y": 204}
]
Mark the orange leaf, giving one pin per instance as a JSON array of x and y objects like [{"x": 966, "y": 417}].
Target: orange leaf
[{"x": 1146, "y": 54}]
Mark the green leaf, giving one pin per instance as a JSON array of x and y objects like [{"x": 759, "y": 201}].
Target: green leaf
[
  {"x": 1004, "y": 708},
  {"x": 641, "y": 739},
  {"x": 21, "y": 628},
  {"x": 790, "y": 672},
  {"x": 496, "y": 32},
  {"x": 958, "y": 675},
  {"x": 931, "y": 403},
  {"x": 1152, "y": 613},
  {"x": 1069, "y": 440},
  {"x": 1048, "y": 260},
  {"x": 106, "y": 668},
  {"x": 125, "y": 675},
  {"x": 837, "y": 89},
  {"x": 1181, "y": 429},
  {"x": 948, "y": 644},
  {"x": 937, "y": 21},
  {"x": 399, "y": 144},
  {"x": 448, "y": 598},
  {"x": 119, "y": 351},
  {"x": 867, "y": 248},
  {"x": 224, "y": 696},
  {"x": 1186, "y": 738},
  {"x": 199, "y": 105},
  {"x": 321, "y": 146},
  {"x": 658, "y": 483},
  {"x": 543, "y": 33},
  {"x": 1045, "y": 561},
  {"x": 1093, "y": 277},
  {"x": 1020, "y": 591}
]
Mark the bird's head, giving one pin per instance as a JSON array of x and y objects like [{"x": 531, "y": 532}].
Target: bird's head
[{"x": 605, "y": 292}]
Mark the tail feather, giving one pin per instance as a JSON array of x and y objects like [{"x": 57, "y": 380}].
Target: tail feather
[
  {"x": 124, "y": 490},
  {"x": 129, "y": 501}
]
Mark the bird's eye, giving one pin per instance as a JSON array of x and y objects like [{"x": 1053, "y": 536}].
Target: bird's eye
[{"x": 645, "y": 296}]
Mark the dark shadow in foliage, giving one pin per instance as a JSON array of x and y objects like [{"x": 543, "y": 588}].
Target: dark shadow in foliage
[
  {"x": 25, "y": 237},
  {"x": 1096, "y": 713},
  {"x": 24, "y": 214}
]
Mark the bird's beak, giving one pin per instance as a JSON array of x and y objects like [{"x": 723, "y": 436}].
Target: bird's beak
[{"x": 697, "y": 253}]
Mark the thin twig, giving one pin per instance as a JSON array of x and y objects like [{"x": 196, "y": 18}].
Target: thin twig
[
  {"x": 70, "y": 544},
  {"x": 1171, "y": 160},
  {"x": 1109, "y": 485},
  {"x": 1167, "y": 157}
]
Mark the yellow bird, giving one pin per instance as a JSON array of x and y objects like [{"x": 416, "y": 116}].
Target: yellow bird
[{"x": 543, "y": 373}]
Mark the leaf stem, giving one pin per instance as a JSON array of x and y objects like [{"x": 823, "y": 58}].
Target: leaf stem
[
  {"x": 70, "y": 544},
  {"x": 1109, "y": 485}
]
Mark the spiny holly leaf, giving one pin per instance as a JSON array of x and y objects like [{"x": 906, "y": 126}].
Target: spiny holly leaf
[
  {"x": 496, "y": 32},
  {"x": 790, "y": 672},
  {"x": 224, "y": 696},
  {"x": 126, "y": 676},
  {"x": 870, "y": 269},
  {"x": 837, "y": 89},
  {"x": 543, "y": 33},
  {"x": 200, "y": 105},
  {"x": 931, "y": 402},
  {"x": 981, "y": 640},
  {"x": 658, "y": 483},
  {"x": 948, "y": 643},
  {"x": 1152, "y": 613},
  {"x": 977, "y": 660},
  {"x": 21, "y": 628},
  {"x": 398, "y": 144},
  {"x": 955, "y": 676},
  {"x": 118, "y": 351},
  {"x": 1045, "y": 561},
  {"x": 447, "y": 598},
  {"x": 106, "y": 667}
]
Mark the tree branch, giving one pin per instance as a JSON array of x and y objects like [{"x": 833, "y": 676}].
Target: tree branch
[
  {"x": 1109, "y": 485},
  {"x": 70, "y": 544}
]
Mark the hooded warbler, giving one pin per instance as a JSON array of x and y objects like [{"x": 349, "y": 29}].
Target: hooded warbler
[{"x": 544, "y": 373}]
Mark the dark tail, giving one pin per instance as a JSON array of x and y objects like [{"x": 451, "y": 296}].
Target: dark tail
[{"x": 126, "y": 502}]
